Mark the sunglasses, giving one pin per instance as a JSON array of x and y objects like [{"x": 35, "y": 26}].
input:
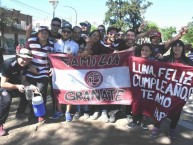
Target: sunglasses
[
  {"x": 155, "y": 37},
  {"x": 68, "y": 32},
  {"x": 84, "y": 25},
  {"x": 110, "y": 33},
  {"x": 102, "y": 30},
  {"x": 120, "y": 34},
  {"x": 56, "y": 25}
]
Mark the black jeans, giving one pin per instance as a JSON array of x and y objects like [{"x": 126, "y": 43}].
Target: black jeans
[
  {"x": 5, "y": 103},
  {"x": 42, "y": 84},
  {"x": 23, "y": 101}
]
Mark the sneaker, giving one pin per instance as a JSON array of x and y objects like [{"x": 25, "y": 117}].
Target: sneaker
[
  {"x": 172, "y": 134},
  {"x": 131, "y": 125},
  {"x": 76, "y": 115},
  {"x": 95, "y": 116},
  {"x": 104, "y": 117},
  {"x": 41, "y": 119},
  {"x": 129, "y": 119},
  {"x": 154, "y": 132},
  {"x": 57, "y": 115},
  {"x": 112, "y": 119},
  {"x": 144, "y": 126},
  {"x": 68, "y": 116},
  {"x": 21, "y": 115},
  {"x": 2, "y": 131},
  {"x": 86, "y": 115}
]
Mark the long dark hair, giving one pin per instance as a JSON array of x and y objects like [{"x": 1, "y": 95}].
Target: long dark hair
[
  {"x": 94, "y": 32},
  {"x": 184, "y": 59}
]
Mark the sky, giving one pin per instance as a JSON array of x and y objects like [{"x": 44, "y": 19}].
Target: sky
[{"x": 164, "y": 13}]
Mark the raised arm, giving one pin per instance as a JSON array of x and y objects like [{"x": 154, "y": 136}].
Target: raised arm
[{"x": 182, "y": 32}]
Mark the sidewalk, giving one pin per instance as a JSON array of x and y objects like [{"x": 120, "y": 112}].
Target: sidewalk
[{"x": 87, "y": 132}]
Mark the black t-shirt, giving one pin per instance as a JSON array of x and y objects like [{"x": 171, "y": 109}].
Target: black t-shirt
[
  {"x": 1, "y": 57},
  {"x": 12, "y": 70},
  {"x": 118, "y": 44},
  {"x": 158, "y": 49},
  {"x": 82, "y": 44},
  {"x": 99, "y": 49},
  {"x": 53, "y": 38}
]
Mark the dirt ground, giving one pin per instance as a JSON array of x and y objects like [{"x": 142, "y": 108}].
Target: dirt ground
[{"x": 86, "y": 132}]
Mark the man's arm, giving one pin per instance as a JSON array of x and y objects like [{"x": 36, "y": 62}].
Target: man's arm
[
  {"x": 145, "y": 34},
  {"x": 182, "y": 32},
  {"x": 6, "y": 85}
]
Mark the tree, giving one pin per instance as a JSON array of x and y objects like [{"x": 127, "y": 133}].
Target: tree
[
  {"x": 125, "y": 14},
  {"x": 149, "y": 26},
  {"x": 189, "y": 36},
  {"x": 5, "y": 21},
  {"x": 167, "y": 32}
]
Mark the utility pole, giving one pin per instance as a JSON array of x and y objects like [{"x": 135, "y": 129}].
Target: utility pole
[
  {"x": 54, "y": 4},
  {"x": 74, "y": 11}
]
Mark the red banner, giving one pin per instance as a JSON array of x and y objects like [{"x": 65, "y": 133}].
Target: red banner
[
  {"x": 160, "y": 89},
  {"x": 102, "y": 79}
]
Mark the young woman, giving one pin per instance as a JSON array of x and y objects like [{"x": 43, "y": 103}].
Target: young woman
[
  {"x": 177, "y": 55},
  {"x": 139, "y": 119}
]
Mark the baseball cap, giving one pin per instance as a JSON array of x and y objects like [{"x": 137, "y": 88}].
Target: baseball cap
[
  {"x": 157, "y": 34},
  {"x": 24, "y": 53},
  {"x": 41, "y": 28},
  {"x": 66, "y": 25},
  {"x": 86, "y": 23},
  {"x": 112, "y": 28}
]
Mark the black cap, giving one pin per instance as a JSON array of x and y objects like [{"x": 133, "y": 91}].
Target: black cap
[
  {"x": 112, "y": 28},
  {"x": 66, "y": 25},
  {"x": 41, "y": 28},
  {"x": 86, "y": 23}
]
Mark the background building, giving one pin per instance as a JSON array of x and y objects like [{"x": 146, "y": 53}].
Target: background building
[{"x": 14, "y": 33}]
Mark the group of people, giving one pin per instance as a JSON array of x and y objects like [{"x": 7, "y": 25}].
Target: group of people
[{"x": 31, "y": 66}]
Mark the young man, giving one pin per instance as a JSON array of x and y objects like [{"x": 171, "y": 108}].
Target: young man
[
  {"x": 11, "y": 85},
  {"x": 76, "y": 36},
  {"x": 68, "y": 46},
  {"x": 40, "y": 47},
  {"x": 160, "y": 49},
  {"x": 86, "y": 28},
  {"x": 102, "y": 30}
]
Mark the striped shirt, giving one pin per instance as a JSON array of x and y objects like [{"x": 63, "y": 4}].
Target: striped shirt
[{"x": 40, "y": 57}]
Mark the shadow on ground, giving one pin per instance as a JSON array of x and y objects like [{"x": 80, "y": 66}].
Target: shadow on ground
[{"x": 86, "y": 132}]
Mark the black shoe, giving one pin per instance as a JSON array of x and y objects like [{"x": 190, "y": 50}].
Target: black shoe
[
  {"x": 32, "y": 119},
  {"x": 21, "y": 115},
  {"x": 132, "y": 125}
]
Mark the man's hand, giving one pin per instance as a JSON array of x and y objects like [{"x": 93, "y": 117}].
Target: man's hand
[
  {"x": 21, "y": 88},
  {"x": 51, "y": 71},
  {"x": 34, "y": 88},
  {"x": 184, "y": 30}
]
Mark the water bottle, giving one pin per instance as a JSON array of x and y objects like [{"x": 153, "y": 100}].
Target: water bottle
[
  {"x": 29, "y": 94},
  {"x": 38, "y": 105}
]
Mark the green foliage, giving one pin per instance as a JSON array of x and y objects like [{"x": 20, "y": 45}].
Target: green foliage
[
  {"x": 93, "y": 28},
  {"x": 167, "y": 32},
  {"x": 188, "y": 38},
  {"x": 149, "y": 26},
  {"x": 125, "y": 14}
]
